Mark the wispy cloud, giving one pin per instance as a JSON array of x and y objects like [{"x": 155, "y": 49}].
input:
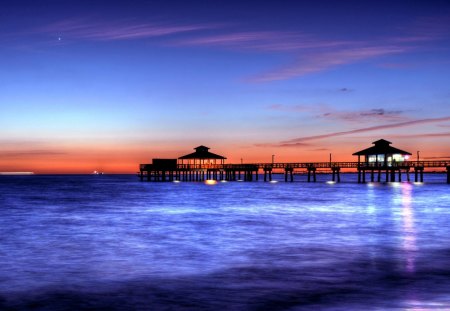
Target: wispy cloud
[
  {"x": 266, "y": 145},
  {"x": 262, "y": 41},
  {"x": 424, "y": 135},
  {"x": 358, "y": 116},
  {"x": 107, "y": 31},
  {"x": 30, "y": 153},
  {"x": 376, "y": 114},
  {"x": 363, "y": 130},
  {"x": 324, "y": 60}
]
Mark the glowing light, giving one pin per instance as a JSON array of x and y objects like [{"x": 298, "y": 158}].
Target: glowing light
[
  {"x": 223, "y": 181},
  {"x": 210, "y": 182},
  {"x": 330, "y": 182},
  {"x": 273, "y": 181},
  {"x": 176, "y": 181},
  {"x": 406, "y": 157}
]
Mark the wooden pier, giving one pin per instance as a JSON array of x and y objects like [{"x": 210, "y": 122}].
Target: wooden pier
[
  {"x": 382, "y": 162},
  {"x": 251, "y": 171}
]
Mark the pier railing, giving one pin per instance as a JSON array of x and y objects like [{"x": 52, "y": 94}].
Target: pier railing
[{"x": 304, "y": 165}]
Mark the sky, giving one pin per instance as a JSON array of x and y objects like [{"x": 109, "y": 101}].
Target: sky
[{"x": 106, "y": 85}]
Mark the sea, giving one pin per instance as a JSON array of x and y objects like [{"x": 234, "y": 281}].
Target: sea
[{"x": 111, "y": 242}]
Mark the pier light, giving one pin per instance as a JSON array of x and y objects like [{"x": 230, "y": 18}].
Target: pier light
[{"x": 210, "y": 182}]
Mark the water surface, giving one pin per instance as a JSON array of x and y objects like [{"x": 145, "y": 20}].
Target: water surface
[{"x": 112, "y": 242}]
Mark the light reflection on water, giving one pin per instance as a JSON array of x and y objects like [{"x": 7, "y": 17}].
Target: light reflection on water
[{"x": 112, "y": 242}]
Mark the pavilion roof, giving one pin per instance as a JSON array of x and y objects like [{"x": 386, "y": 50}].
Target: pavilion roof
[
  {"x": 381, "y": 147},
  {"x": 202, "y": 152}
]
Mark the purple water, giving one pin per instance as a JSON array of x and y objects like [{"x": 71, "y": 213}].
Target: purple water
[{"x": 114, "y": 243}]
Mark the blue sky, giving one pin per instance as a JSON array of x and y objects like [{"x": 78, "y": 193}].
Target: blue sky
[{"x": 107, "y": 84}]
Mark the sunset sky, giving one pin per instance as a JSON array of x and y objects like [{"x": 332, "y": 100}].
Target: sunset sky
[{"x": 106, "y": 85}]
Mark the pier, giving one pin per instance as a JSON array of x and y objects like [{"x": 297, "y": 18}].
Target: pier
[{"x": 382, "y": 163}]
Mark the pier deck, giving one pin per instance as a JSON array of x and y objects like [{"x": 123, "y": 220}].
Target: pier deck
[{"x": 250, "y": 171}]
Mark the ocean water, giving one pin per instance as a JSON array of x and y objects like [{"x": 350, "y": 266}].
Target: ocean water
[{"x": 111, "y": 242}]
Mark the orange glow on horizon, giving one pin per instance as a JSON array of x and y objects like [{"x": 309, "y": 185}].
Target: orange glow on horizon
[{"x": 125, "y": 158}]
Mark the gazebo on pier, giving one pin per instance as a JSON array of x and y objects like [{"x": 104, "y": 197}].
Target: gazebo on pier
[
  {"x": 201, "y": 157},
  {"x": 382, "y": 156}
]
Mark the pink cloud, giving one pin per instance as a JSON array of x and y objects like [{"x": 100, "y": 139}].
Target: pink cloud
[
  {"x": 324, "y": 60},
  {"x": 261, "y": 41},
  {"x": 366, "y": 129}
]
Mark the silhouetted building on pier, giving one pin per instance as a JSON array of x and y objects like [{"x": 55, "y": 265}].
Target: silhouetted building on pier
[
  {"x": 382, "y": 154},
  {"x": 202, "y": 156}
]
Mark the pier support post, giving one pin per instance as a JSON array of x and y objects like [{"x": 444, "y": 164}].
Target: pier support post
[
  {"x": 448, "y": 174},
  {"x": 399, "y": 175},
  {"x": 418, "y": 172},
  {"x": 336, "y": 174},
  {"x": 379, "y": 176},
  {"x": 359, "y": 175},
  {"x": 372, "y": 175},
  {"x": 364, "y": 176},
  {"x": 312, "y": 170},
  {"x": 393, "y": 175},
  {"x": 288, "y": 171},
  {"x": 267, "y": 171}
]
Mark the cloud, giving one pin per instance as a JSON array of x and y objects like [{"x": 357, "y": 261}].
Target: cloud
[
  {"x": 266, "y": 145},
  {"x": 426, "y": 135},
  {"x": 366, "y": 129},
  {"x": 326, "y": 111},
  {"x": 261, "y": 41},
  {"x": 325, "y": 60},
  {"x": 124, "y": 30},
  {"x": 29, "y": 153},
  {"x": 365, "y": 115}
]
